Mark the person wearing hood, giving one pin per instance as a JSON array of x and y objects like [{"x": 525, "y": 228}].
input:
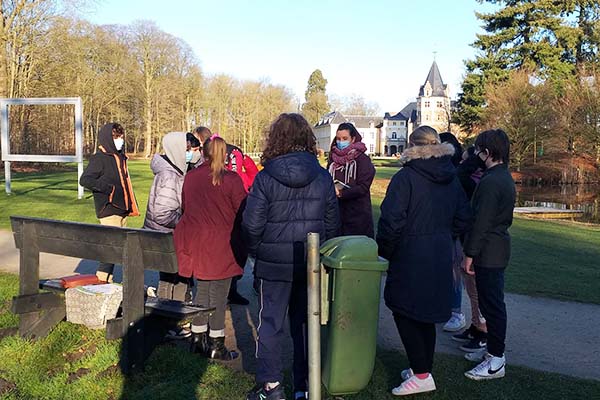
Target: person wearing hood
[
  {"x": 107, "y": 176},
  {"x": 353, "y": 172},
  {"x": 292, "y": 196},
  {"x": 164, "y": 209},
  {"x": 211, "y": 200},
  {"x": 423, "y": 209}
]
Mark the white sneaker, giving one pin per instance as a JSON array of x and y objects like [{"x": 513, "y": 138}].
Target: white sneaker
[
  {"x": 477, "y": 356},
  {"x": 405, "y": 374},
  {"x": 490, "y": 368},
  {"x": 414, "y": 385},
  {"x": 455, "y": 323}
]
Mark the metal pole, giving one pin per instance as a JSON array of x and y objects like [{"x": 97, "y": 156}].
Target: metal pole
[
  {"x": 314, "y": 317},
  {"x": 7, "y": 177}
]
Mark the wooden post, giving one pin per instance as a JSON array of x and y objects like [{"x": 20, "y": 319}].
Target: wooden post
[
  {"x": 29, "y": 273},
  {"x": 132, "y": 354}
]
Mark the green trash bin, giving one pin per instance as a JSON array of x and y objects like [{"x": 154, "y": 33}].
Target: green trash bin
[{"x": 350, "y": 292}]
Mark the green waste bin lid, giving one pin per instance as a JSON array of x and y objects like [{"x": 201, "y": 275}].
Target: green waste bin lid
[{"x": 352, "y": 252}]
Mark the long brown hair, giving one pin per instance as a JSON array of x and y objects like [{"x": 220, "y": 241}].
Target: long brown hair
[
  {"x": 289, "y": 133},
  {"x": 215, "y": 151}
]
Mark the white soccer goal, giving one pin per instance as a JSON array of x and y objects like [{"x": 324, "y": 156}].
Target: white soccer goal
[{"x": 7, "y": 157}]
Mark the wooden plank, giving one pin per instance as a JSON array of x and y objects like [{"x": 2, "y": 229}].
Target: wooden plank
[
  {"x": 29, "y": 273},
  {"x": 132, "y": 356},
  {"x": 114, "y": 328},
  {"x": 174, "y": 309},
  {"x": 44, "y": 323},
  {"x": 36, "y": 302},
  {"x": 98, "y": 242}
]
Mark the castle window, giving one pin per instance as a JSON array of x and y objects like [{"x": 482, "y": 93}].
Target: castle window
[
  {"x": 427, "y": 104},
  {"x": 394, "y": 123},
  {"x": 371, "y": 148},
  {"x": 439, "y": 104},
  {"x": 427, "y": 117},
  {"x": 394, "y": 136}
]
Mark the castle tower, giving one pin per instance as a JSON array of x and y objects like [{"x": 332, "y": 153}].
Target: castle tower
[{"x": 433, "y": 102}]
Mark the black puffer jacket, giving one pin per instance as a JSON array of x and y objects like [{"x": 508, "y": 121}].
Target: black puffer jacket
[
  {"x": 291, "y": 197},
  {"x": 108, "y": 178},
  {"x": 424, "y": 207}
]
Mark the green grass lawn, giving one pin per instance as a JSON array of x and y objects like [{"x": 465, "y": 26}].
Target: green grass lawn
[
  {"x": 549, "y": 259},
  {"x": 54, "y": 195},
  {"x": 556, "y": 260},
  {"x": 73, "y": 362}
]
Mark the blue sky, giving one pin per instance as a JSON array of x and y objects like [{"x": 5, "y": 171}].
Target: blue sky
[{"x": 378, "y": 49}]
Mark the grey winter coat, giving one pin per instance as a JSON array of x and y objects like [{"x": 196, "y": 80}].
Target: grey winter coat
[{"x": 164, "y": 201}]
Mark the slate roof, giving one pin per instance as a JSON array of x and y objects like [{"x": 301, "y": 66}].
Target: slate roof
[
  {"x": 359, "y": 121},
  {"x": 408, "y": 113},
  {"x": 435, "y": 80}
]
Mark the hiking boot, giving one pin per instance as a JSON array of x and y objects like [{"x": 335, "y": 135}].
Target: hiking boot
[
  {"x": 199, "y": 343},
  {"x": 455, "y": 323},
  {"x": 236, "y": 298},
  {"x": 467, "y": 335},
  {"x": 474, "y": 345},
  {"x": 490, "y": 368},
  {"x": 218, "y": 351},
  {"x": 260, "y": 393},
  {"x": 414, "y": 385}
]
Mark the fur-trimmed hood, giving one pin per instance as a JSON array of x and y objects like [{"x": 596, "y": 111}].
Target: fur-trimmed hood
[
  {"x": 427, "y": 151},
  {"x": 431, "y": 161}
]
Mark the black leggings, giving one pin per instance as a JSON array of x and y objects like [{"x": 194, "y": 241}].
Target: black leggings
[{"x": 419, "y": 342}]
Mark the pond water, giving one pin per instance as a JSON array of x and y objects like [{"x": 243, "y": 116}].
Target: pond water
[{"x": 567, "y": 197}]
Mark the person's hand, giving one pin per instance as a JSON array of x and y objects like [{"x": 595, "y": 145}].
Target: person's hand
[
  {"x": 468, "y": 266},
  {"x": 338, "y": 193}
]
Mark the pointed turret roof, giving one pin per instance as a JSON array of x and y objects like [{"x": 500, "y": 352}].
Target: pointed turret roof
[{"x": 435, "y": 81}]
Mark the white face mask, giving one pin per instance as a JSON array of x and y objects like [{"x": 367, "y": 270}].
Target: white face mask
[{"x": 119, "y": 143}]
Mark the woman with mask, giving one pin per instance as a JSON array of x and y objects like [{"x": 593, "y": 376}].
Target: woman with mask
[{"x": 353, "y": 173}]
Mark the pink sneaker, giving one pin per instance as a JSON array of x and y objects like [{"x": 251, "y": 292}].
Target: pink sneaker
[{"x": 414, "y": 385}]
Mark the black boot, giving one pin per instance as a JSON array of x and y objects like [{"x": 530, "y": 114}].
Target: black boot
[
  {"x": 218, "y": 351},
  {"x": 199, "y": 343}
]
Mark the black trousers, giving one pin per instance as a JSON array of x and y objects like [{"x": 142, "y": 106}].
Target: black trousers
[
  {"x": 418, "y": 339},
  {"x": 490, "y": 287},
  {"x": 276, "y": 300}
]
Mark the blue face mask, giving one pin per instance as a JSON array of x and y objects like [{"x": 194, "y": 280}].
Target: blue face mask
[
  {"x": 188, "y": 156},
  {"x": 342, "y": 144}
]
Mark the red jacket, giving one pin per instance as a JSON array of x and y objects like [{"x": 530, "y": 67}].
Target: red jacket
[
  {"x": 204, "y": 234},
  {"x": 243, "y": 165}
]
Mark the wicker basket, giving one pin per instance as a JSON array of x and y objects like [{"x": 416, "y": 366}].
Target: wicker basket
[{"x": 93, "y": 305}]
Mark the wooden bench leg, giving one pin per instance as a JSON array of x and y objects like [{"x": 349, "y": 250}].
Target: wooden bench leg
[
  {"x": 29, "y": 272},
  {"x": 132, "y": 355}
]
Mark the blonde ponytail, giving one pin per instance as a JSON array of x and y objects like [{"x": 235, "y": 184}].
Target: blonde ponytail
[{"x": 215, "y": 151}]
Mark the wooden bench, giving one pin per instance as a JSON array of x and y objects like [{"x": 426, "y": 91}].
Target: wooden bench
[{"x": 135, "y": 249}]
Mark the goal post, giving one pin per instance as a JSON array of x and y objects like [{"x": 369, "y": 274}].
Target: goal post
[{"x": 9, "y": 157}]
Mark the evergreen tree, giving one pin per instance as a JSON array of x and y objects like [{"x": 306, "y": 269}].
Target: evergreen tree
[
  {"x": 316, "y": 98},
  {"x": 521, "y": 34}
]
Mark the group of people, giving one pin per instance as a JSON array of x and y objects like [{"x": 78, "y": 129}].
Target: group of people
[{"x": 221, "y": 211}]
